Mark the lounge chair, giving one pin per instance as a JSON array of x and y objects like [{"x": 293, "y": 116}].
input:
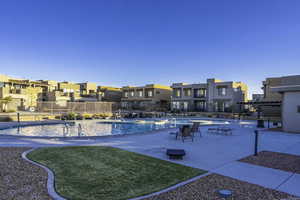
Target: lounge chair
[
  {"x": 187, "y": 133},
  {"x": 195, "y": 128},
  {"x": 179, "y": 133},
  {"x": 220, "y": 130}
]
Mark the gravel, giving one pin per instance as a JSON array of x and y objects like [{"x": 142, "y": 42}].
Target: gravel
[
  {"x": 275, "y": 160},
  {"x": 20, "y": 180},
  {"x": 206, "y": 189}
]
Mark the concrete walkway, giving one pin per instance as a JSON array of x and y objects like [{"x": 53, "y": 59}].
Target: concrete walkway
[{"x": 214, "y": 153}]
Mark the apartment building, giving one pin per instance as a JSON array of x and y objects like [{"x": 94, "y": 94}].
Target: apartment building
[
  {"x": 271, "y": 95},
  {"x": 150, "y": 97},
  {"x": 24, "y": 93},
  {"x": 88, "y": 92},
  {"x": 110, "y": 94},
  {"x": 212, "y": 96},
  {"x": 28, "y": 94},
  {"x": 257, "y": 97}
]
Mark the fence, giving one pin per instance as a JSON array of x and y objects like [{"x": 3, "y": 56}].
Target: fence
[{"x": 77, "y": 107}]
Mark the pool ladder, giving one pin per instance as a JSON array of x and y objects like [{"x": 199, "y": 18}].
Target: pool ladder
[
  {"x": 174, "y": 122},
  {"x": 80, "y": 133},
  {"x": 66, "y": 129}
]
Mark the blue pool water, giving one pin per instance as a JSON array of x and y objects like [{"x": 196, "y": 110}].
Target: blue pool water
[{"x": 102, "y": 128}]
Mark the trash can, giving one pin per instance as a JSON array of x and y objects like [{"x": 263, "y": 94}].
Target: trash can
[{"x": 260, "y": 123}]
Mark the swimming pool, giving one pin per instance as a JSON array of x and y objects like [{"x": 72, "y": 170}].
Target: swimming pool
[{"x": 105, "y": 127}]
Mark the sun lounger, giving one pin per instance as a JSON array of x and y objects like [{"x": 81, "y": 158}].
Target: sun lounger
[
  {"x": 195, "y": 128},
  {"x": 220, "y": 130}
]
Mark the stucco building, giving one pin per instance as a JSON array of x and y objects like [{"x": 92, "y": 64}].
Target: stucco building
[
  {"x": 110, "y": 94},
  {"x": 212, "y": 96},
  {"x": 271, "y": 95},
  {"x": 24, "y": 93},
  {"x": 290, "y": 108},
  {"x": 150, "y": 97}
]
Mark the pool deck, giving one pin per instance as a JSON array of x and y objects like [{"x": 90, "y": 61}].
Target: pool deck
[{"x": 215, "y": 153}]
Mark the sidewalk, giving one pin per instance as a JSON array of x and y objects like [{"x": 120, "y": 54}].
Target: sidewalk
[{"x": 267, "y": 177}]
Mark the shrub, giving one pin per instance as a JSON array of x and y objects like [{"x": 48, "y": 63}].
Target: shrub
[
  {"x": 87, "y": 116},
  {"x": 71, "y": 116},
  {"x": 11, "y": 111}
]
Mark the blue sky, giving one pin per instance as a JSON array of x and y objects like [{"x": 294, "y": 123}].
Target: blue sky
[{"x": 135, "y": 42}]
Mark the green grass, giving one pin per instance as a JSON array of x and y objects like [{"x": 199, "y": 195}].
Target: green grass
[{"x": 108, "y": 173}]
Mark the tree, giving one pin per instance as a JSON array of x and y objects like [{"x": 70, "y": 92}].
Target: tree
[{"x": 5, "y": 101}]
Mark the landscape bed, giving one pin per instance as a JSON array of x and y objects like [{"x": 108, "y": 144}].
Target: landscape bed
[{"x": 108, "y": 173}]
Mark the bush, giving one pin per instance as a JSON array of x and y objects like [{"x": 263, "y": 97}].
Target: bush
[
  {"x": 11, "y": 111},
  {"x": 71, "y": 116},
  {"x": 79, "y": 116},
  {"x": 87, "y": 116}
]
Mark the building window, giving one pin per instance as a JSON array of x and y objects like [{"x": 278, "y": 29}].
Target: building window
[
  {"x": 200, "y": 93},
  {"x": 140, "y": 93},
  {"x": 176, "y": 105},
  {"x": 298, "y": 109},
  {"x": 187, "y": 92},
  {"x": 177, "y": 93},
  {"x": 150, "y": 93},
  {"x": 132, "y": 93},
  {"x": 126, "y": 94},
  {"x": 185, "y": 105},
  {"x": 222, "y": 91}
]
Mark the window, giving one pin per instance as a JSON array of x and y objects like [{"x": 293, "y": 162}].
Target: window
[
  {"x": 185, "y": 105},
  {"x": 222, "y": 91},
  {"x": 126, "y": 94},
  {"x": 140, "y": 93},
  {"x": 132, "y": 93},
  {"x": 298, "y": 109},
  {"x": 150, "y": 93},
  {"x": 177, "y": 92},
  {"x": 187, "y": 92},
  {"x": 176, "y": 105}
]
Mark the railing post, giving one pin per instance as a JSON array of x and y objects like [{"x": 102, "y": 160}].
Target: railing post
[
  {"x": 256, "y": 142},
  {"x": 18, "y": 116}
]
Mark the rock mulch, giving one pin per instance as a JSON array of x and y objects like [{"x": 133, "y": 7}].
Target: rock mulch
[
  {"x": 20, "y": 180},
  {"x": 275, "y": 160},
  {"x": 206, "y": 189}
]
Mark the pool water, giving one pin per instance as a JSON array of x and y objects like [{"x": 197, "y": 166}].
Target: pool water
[{"x": 102, "y": 128}]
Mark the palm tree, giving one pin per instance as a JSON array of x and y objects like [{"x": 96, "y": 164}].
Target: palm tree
[{"x": 4, "y": 101}]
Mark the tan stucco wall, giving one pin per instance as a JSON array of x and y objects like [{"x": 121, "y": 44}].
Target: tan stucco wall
[{"x": 290, "y": 114}]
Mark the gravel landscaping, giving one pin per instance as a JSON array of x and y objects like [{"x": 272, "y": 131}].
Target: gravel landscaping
[
  {"x": 19, "y": 179},
  {"x": 206, "y": 189},
  {"x": 275, "y": 160}
]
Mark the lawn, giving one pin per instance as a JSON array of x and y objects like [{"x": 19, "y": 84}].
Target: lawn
[{"x": 108, "y": 173}]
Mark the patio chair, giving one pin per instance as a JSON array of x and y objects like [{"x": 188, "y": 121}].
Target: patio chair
[
  {"x": 195, "y": 128},
  {"x": 187, "y": 133},
  {"x": 179, "y": 133},
  {"x": 225, "y": 131},
  {"x": 212, "y": 130}
]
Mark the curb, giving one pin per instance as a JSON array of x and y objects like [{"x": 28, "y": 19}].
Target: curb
[
  {"x": 50, "y": 180},
  {"x": 172, "y": 187},
  {"x": 56, "y": 196}
]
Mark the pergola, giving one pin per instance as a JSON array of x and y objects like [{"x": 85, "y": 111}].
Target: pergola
[{"x": 260, "y": 104}]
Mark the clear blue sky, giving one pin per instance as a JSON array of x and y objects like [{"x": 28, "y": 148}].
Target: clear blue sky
[{"x": 135, "y": 42}]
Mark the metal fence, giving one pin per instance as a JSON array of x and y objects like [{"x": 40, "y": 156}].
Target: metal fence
[{"x": 77, "y": 107}]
